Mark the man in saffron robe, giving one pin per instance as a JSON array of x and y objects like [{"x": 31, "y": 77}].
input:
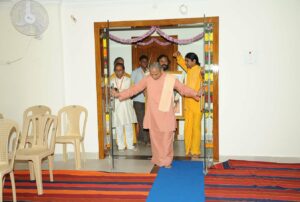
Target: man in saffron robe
[{"x": 160, "y": 116}]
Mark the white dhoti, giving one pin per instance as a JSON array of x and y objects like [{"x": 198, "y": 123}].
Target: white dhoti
[
  {"x": 125, "y": 136},
  {"x": 124, "y": 115}
]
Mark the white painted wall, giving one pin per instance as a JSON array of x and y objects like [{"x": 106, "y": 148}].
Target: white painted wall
[
  {"x": 258, "y": 102},
  {"x": 38, "y": 77},
  {"x": 257, "y": 115}
]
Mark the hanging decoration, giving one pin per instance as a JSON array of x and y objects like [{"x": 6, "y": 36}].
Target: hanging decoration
[
  {"x": 134, "y": 40},
  {"x": 138, "y": 40},
  {"x": 208, "y": 76},
  {"x": 208, "y": 47},
  {"x": 179, "y": 41},
  {"x": 208, "y": 106},
  {"x": 161, "y": 43},
  {"x": 106, "y": 87}
]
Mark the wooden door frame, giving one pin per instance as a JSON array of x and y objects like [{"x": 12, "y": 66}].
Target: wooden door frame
[{"x": 162, "y": 22}]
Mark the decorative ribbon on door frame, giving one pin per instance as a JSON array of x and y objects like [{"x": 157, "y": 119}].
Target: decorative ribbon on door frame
[{"x": 138, "y": 40}]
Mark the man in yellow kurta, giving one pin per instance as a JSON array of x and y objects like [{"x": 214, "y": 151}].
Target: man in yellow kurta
[{"x": 192, "y": 108}]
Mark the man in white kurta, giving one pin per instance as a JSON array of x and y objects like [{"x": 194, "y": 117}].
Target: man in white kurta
[{"x": 124, "y": 115}]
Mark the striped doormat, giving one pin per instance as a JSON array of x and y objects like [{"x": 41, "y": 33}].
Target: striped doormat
[
  {"x": 82, "y": 186},
  {"x": 232, "y": 180},
  {"x": 236, "y": 180}
]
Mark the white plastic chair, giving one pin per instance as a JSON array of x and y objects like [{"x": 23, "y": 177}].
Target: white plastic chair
[
  {"x": 8, "y": 131},
  {"x": 30, "y": 111},
  {"x": 44, "y": 128},
  {"x": 35, "y": 110},
  {"x": 70, "y": 130}
]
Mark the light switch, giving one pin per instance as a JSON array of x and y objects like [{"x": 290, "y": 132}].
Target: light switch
[{"x": 250, "y": 57}]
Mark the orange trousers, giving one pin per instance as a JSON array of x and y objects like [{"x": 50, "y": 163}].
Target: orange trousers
[{"x": 192, "y": 132}]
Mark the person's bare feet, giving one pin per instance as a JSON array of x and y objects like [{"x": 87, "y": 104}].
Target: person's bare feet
[
  {"x": 169, "y": 166},
  {"x": 133, "y": 148},
  {"x": 195, "y": 156}
]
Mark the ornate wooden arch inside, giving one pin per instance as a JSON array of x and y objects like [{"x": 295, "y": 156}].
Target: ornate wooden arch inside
[{"x": 98, "y": 26}]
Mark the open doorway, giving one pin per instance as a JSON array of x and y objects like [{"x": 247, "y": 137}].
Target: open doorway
[
  {"x": 154, "y": 50},
  {"x": 142, "y": 26}
]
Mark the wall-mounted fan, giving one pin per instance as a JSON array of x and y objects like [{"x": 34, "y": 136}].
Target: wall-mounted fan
[{"x": 29, "y": 17}]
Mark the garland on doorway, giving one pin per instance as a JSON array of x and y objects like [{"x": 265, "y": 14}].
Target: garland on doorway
[
  {"x": 138, "y": 40},
  {"x": 154, "y": 40}
]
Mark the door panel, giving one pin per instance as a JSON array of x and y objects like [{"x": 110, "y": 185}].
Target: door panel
[{"x": 154, "y": 50}]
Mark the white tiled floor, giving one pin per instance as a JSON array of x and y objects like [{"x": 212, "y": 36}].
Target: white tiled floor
[
  {"x": 143, "y": 150},
  {"x": 124, "y": 164},
  {"x": 138, "y": 161},
  {"x": 120, "y": 165},
  {"x": 126, "y": 161}
]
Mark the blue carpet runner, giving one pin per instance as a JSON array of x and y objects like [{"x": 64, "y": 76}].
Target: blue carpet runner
[{"x": 183, "y": 182}]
